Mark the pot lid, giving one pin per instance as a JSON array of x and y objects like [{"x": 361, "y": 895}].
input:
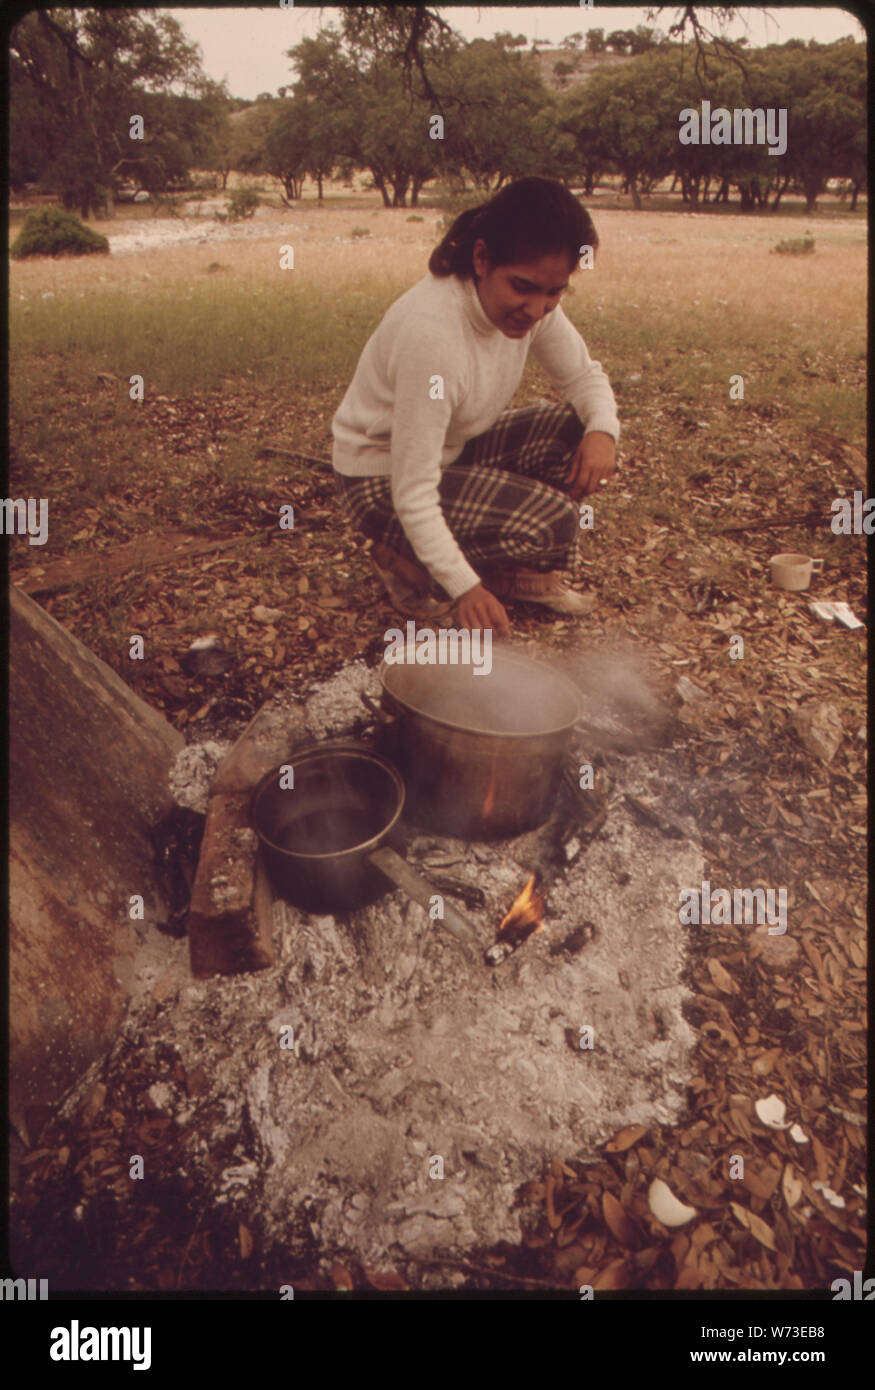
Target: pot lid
[{"x": 514, "y": 697}]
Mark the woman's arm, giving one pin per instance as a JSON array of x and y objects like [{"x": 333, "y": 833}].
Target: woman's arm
[
  {"x": 419, "y": 430},
  {"x": 560, "y": 350}
]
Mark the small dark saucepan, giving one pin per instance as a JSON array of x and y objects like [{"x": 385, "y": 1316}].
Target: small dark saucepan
[{"x": 329, "y": 836}]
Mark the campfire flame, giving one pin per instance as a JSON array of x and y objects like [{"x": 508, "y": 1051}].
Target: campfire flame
[{"x": 524, "y": 917}]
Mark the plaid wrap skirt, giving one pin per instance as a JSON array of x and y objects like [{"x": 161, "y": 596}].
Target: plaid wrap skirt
[{"x": 501, "y": 498}]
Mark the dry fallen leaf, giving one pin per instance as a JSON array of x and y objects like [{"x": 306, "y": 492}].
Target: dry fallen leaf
[
  {"x": 791, "y": 1186},
  {"x": 613, "y": 1276},
  {"x": 553, "y": 1219},
  {"x": 820, "y": 1158},
  {"x": 702, "y": 1236},
  {"x": 721, "y": 977},
  {"x": 766, "y": 1061},
  {"x": 680, "y": 1248},
  {"x": 762, "y": 1184},
  {"x": 617, "y": 1221},
  {"x": 625, "y": 1139},
  {"x": 739, "y": 1123},
  {"x": 386, "y": 1280},
  {"x": 755, "y": 1225},
  {"x": 689, "y": 1277},
  {"x": 341, "y": 1277}
]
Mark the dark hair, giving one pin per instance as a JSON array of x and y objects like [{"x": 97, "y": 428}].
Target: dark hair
[{"x": 526, "y": 220}]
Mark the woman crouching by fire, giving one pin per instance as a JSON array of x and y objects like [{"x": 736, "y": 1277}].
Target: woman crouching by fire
[{"x": 453, "y": 488}]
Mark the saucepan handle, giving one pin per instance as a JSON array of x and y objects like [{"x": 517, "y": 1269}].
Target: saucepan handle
[
  {"x": 375, "y": 709},
  {"x": 421, "y": 891}
]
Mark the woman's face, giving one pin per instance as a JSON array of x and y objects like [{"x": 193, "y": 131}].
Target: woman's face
[{"x": 515, "y": 297}]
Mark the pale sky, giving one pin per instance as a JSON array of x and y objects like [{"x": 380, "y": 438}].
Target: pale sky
[{"x": 247, "y": 45}]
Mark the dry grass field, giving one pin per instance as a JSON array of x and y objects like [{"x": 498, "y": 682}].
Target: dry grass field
[{"x": 708, "y": 283}]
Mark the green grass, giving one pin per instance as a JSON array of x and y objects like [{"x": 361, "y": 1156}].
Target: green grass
[{"x": 283, "y": 334}]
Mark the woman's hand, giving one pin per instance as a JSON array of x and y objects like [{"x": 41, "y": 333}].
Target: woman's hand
[
  {"x": 593, "y": 464},
  {"x": 479, "y": 609}
]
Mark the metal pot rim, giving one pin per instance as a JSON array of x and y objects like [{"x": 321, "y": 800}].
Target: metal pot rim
[
  {"x": 521, "y": 660},
  {"x": 309, "y": 753}
]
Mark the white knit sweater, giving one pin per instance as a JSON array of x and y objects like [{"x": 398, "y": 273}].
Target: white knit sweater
[{"x": 389, "y": 424}]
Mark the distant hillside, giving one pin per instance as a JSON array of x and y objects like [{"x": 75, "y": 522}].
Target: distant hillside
[
  {"x": 585, "y": 64},
  {"x": 253, "y": 112}
]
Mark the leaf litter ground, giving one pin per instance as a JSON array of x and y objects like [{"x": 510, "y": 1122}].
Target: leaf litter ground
[{"x": 773, "y": 1014}]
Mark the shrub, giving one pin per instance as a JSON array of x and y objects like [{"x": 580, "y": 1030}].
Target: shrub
[
  {"x": 453, "y": 204},
  {"x": 799, "y": 247},
  {"x": 165, "y": 206},
  {"x": 242, "y": 203},
  {"x": 360, "y": 231},
  {"x": 416, "y": 218},
  {"x": 53, "y": 232}
]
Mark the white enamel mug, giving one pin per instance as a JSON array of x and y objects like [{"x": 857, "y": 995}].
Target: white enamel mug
[{"x": 794, "y": 571}]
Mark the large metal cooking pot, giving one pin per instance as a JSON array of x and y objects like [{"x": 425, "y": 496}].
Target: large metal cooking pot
[{"x": 481, "y": 754}]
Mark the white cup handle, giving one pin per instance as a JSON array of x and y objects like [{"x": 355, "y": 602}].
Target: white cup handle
[{"x": 816, "y": 566}]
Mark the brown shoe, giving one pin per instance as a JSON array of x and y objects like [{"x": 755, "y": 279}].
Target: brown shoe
[
  {"x": 531, "y": 586},
  {"x": 412, "y": 575},
  {"x": 407, "y": 600}
]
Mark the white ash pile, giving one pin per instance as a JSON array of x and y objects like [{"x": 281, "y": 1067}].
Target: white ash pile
[
  {"x": 385, "y": 1092},
  {"x": 193, "y": 771}
]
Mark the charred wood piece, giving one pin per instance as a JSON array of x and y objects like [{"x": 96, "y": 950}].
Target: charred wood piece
[
  {"x": 176, "y": 842},
  {"x": 652, "y": 815},
  {"x": 470, "y": 895}
]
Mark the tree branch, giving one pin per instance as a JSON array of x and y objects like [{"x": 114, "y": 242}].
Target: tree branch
[
  {"x": 702, "y": 36},
  {"x": 69, "y": 43}
]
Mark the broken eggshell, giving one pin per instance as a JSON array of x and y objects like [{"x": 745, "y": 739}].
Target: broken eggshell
[
  {"x": 771, "y": 1111},
  {"x": 666, "y": 1207},
  {"x": 830, "y": 1196}
]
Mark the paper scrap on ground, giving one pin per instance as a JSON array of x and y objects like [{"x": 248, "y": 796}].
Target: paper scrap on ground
[{"x": 827, "y": 610}]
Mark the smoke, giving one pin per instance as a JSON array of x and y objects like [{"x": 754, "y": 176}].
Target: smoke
[
  {"x": 513, "y": 697},
  {"x": 613, "y": 698},
  {"x": 620, "y": 704}
]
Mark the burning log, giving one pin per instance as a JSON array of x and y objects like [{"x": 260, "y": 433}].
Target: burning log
[{"x": 517, "y": 925}]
